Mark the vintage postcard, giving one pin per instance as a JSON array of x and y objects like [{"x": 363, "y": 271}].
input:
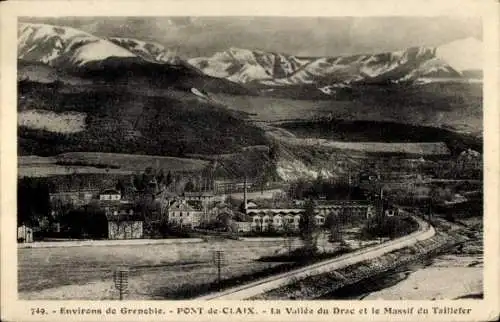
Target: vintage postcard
[{"x": 249, "y": 160}]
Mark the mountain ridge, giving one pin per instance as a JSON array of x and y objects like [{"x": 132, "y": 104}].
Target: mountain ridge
[
  {"x": 69, "y": 48},
  {"x": 70, "y": 52},
  {"x": 397, "y": 66}
]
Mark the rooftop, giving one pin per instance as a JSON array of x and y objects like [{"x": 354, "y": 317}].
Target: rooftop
[{"x": 110, "y": 192}]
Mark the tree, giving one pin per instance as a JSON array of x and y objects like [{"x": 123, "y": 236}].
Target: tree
[
  {"x": 160, "y": 177},
  {"x": 189, "y": 187},
  {"x": 288, "y": 234},
  {"x": 273, "y": 152},
  {"x": 121, "y": 186},
  {"x": 86, "y": 221},
  {"x": 300, "y": 189},
  {"x": 308, "y": 229},
  {"x": 169, "y": 178},
  {"x": 224, "y": 221},
  {"x": 61, "y": 208},
  {"x": 333, "y": 223},
  {"x": 148, "y": 175},
  {"x": 138, "y": 181},
  {"x": 242, "y": 207},
  {"x": 33, "y": 202},
  {"x": 391, "y": 227}
]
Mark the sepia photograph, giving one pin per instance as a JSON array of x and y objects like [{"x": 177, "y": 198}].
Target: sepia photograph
[
  {"x": 240, "y": 158},
  {"x": 262, "y": 161}
]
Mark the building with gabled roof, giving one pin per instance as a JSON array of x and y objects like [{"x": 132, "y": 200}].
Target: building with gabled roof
[
  {"x": 181, "y": 213},
  {"x": 124, "y": 222},
  {"x": 110, "y": 195}
]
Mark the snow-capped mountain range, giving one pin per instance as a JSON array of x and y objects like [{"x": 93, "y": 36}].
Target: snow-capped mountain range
[
  {"x": 66, "y": 48},
  {"x": 271, "y": 69},
  {"x": 63, "y": 47},
  {"x": 151, "y": 51}
]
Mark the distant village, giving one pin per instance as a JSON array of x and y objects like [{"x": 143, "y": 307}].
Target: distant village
[
  {"x": 155, "y": 204},
  {"x": 162, "y": 209}
]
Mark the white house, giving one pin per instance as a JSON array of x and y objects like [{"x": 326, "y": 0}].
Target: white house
[
  {"x": 241, "y": 226},
  {"x": 110, "y": 195},
  {"x": 276, "y": 222},
  {"x": 125, "y": 229},
  {"x": 25, "y": 234},
  {"x": 319, "y": 220},
  {"x": 266, "y": 222},
  {"x": 256, "y": 223},
  {"x": 181, "y": 213}
]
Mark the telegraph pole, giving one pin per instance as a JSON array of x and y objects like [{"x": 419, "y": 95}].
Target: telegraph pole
[
  {"x": 218, "y": 258},
  {"x": 382, "y": 200},
  {"x": 120, "y": 278},
  {"x": 245, "y": 202},
  {"x": 349, "y": 183}
]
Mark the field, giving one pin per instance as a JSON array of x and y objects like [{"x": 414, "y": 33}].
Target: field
[
  {"x": 372, "y": 131},
  {"x": 173, "y": 271},
  {"x": 134, "y": 162},
  {"x": 47, "y": 170},
  {"x": 155, "y": 269},
  {"x": 417, "y": 148},
  {"x": 66, "y": 122},
  {"x": 105, "y": 163},
  {"x": 453, "y": 106}
]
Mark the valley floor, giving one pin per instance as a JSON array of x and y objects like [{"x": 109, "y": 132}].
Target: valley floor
[{"x": 156, "y": 272}]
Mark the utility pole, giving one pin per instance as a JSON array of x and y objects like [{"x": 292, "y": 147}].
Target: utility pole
[
  {"x": 349, "y": 183},
  {"x": 120, "y": 278},
  {"x": 381, "y": 200},
  {"x": 245, "y": 201},
  {"x": 218, "y": 258},
  {"x": 429, "y": 209}
]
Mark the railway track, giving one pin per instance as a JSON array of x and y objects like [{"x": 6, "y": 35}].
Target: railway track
[{"x": 247, "y": 291}]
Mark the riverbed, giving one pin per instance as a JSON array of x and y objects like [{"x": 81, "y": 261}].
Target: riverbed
[
  {"x": 445, "y": 277},
  {"x": 448, "y": 277}
]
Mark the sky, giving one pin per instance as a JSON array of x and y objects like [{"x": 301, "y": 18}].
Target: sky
[{"x": 301, "y": 36}]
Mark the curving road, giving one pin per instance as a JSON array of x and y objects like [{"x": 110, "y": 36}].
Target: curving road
[{"x": 425, "y": 231}]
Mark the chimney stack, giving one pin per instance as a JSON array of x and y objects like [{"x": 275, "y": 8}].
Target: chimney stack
[{"x": 245, "y": 196}]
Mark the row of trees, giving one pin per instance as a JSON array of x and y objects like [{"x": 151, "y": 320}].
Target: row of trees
[
  {"x": 303, "y": 189},
  {"x": 33, "y": 202}
]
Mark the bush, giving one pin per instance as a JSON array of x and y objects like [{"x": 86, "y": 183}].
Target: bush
[
  {"x": 392, "y": 227},
  {"x": 303, "y": 255}
]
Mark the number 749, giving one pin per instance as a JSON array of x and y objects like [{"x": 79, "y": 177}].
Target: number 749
[{"x": 37, "y": 310}]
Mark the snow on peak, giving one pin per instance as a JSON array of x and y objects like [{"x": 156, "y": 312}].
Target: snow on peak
[
  {"x": 241, "y": 55},
  {"x": 462, "y": 54},
  {"x": 147, "y": 49},
  {"x": 98, "y": 50},
  {"x": 51, "y": 45}
]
